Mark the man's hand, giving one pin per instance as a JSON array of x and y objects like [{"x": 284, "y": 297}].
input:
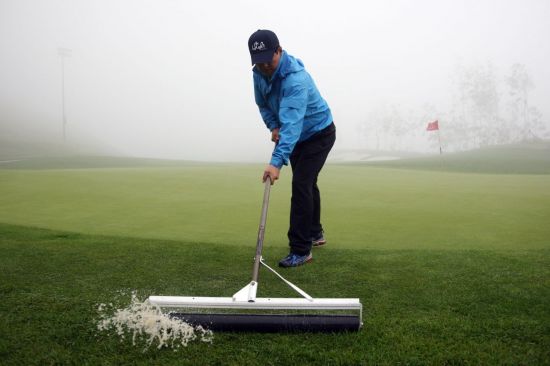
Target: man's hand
[
  {"x": 272, "y": 172},
  {"x": 275, "y": 135}
]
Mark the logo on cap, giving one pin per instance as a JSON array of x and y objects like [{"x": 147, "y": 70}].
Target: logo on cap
[
  {"x": 258, "y": 46},
  {"x": 262, "y": 44}
]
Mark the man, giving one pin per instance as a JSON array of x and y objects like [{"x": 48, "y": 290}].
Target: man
[{"x": 301, "y": 125}]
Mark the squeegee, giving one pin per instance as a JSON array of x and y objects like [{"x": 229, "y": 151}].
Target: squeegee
[{"x": 268, "y": 314}]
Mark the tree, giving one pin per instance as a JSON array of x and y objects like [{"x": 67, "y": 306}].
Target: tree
[
  {"x": 386, "y": 128},
  {"x": 476, "y": 113},
  {"x": 519, "y": 85},
  {"x": 475, "y": 119}
]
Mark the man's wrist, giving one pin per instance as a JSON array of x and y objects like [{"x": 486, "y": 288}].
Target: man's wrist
[{"x": 275, "y": 164}]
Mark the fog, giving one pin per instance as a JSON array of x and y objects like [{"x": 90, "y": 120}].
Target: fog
[{"x": 172, "y": 79}]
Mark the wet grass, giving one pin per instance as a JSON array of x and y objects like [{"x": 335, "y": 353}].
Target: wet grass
[
  {"x": 526, "y": 158},
  {"x": 421, "y": 306},
  {"x": 363, "y": 207},
  {"x": 451, "y": 268}
]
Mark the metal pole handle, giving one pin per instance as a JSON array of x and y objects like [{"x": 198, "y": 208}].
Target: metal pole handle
[{"x": 261, "y": 231}]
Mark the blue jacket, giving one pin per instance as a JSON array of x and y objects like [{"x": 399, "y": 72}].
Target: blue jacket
[{"x": 289, "y": 100}]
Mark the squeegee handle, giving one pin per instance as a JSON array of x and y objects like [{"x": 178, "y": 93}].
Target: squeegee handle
[{"x": 261, "y": 231}]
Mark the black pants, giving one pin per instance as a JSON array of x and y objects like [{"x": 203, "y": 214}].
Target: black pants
[{"x": 307, "y": 160}]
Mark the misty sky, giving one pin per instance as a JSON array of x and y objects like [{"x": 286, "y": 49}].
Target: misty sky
[{"x": 172, "y": 79}]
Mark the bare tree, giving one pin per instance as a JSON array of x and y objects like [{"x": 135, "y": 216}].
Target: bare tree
[
  {"x": 474, "y": 120},
  {"x": 475, "y": 114},
  {"x": 519, "y": 85}
]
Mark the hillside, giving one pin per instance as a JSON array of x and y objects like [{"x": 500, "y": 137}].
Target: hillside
[{"x": 526, "y": 158}]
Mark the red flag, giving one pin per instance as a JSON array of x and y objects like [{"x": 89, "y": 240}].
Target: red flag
[{"x": 433, "y": 126}]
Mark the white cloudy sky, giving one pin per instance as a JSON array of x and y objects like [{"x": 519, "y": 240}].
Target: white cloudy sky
[{"x": 172, "y": 79}]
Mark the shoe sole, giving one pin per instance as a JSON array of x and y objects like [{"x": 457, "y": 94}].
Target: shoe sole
[{"x": 319, "y": 243}]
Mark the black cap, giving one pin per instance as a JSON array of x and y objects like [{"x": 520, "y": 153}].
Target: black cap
[{"x": 262, "y": 44}]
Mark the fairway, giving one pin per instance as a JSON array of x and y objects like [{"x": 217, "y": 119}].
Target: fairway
[{"x": 451, "y": 266}]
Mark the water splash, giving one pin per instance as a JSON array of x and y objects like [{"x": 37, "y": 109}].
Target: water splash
[{"x": 144, "y": 320}]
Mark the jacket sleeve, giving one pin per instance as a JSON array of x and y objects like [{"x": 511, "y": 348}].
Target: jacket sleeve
[
  {"x": 269, "y": 118},
  {"x": 291, "y": 116}
]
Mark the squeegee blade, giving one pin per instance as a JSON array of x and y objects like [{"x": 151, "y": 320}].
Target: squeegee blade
[{"x": 272, "y": 323}]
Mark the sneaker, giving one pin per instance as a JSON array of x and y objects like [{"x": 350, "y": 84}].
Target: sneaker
[
  {"x": 319, "y": 240},
  {"x": 295, "y": 260}
]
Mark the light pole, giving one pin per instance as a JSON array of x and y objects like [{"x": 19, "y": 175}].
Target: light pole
[{"x": 63, "y": 53}]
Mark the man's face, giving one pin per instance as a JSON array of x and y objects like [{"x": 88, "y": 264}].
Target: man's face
[{"x": 269, "y": 68}]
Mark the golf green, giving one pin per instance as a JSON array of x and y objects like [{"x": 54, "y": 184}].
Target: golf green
[
  {"x": 451, "y": 267},
  {"x": 363, "y": 207}
]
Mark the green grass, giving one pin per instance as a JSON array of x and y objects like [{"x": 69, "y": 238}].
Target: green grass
[
  {"x": 421, "y": 306},
  {"x": 526, "y": 158},
  {"x": 451, "y": 268},
  {"x": 89, "y": 162},
  {"x": 363, "y": 207}
]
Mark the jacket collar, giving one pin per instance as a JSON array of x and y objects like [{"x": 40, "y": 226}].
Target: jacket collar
[{"x": 280, "y": 72}]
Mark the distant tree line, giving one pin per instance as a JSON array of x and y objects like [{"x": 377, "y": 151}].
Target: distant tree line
[{"x": 485, "y": 110}]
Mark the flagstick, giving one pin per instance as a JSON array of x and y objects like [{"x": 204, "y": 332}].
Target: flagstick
[
  {"x": 440, "y": 150},
  {"x": 439, "y": 138}
]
